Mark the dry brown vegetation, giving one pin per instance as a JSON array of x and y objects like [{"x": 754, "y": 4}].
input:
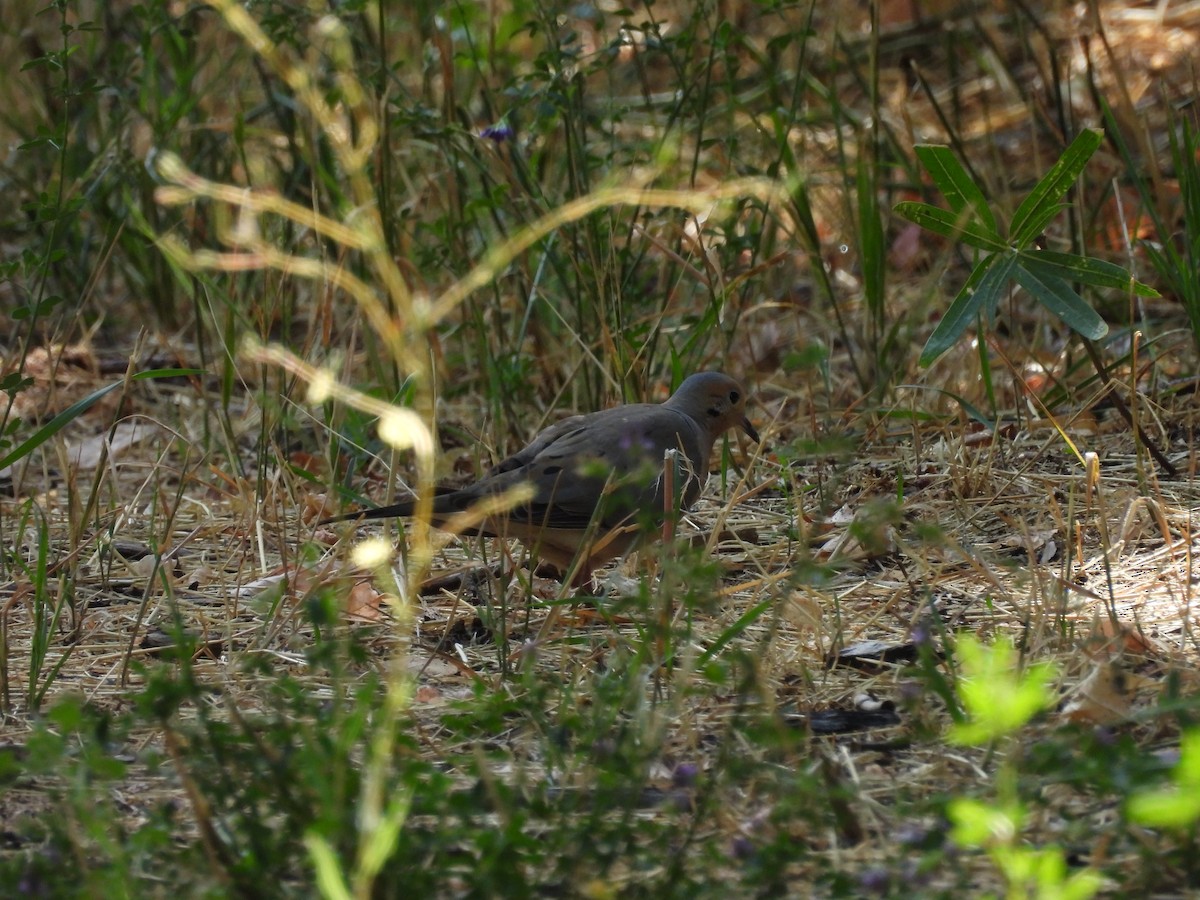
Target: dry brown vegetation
[{"x": 721, "y": 697}]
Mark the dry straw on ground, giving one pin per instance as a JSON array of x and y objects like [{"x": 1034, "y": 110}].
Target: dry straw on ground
[{"x": 929, "y": 523}]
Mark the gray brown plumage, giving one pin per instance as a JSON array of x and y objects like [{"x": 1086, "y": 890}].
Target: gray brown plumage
[{"x": 597, "y": 478}]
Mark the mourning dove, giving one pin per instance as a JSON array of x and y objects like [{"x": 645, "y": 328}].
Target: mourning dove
[{"x": 596, "y": 478}]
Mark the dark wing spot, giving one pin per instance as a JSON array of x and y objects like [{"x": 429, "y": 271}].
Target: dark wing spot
[{"x": 551, "y": 470}]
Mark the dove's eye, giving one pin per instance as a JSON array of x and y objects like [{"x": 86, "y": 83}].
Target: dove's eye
[{"x": 734, "y": 396}]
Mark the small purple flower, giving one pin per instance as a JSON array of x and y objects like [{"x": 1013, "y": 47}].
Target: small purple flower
[
  {"x": 921, "y": 634},
  {"x": 875, "y": 880},
  {"x": 741, "y": 848},
  {"x": 911, "y": 691},
  {"x": 684, "y": 775},
  {"x": 1105, "y": 736},
  {"x": 498, "y": 133}
]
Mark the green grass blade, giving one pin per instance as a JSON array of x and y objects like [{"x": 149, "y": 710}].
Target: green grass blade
[
  {"x": 745, "y": 620},
  {"x": 950, "y": 225},
  {"x": 1056, "y": 295},
  {"x": 955, "y": 183},
  {"x": 1030, "y": 217},
  {"x": 871, "y": 246},
  {"x": 973, "y": 412},
  {"x": 166, "y": 373},
  {"x": 78, "y": 408},
  {"x": 55, "y": 425}
]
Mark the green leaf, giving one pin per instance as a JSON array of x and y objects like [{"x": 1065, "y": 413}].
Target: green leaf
[
  {"x": 1038, "y": 222},
  {"x": 1056, "y": 295},
  {"x": 1169, "y": 808},
  {"x": 992, "y": 276},
  {"x": 1188, "y": 771},
  {"x": 744, "y": 621},
  {"x": 55, "y": 425},
  {"x": 78, "y": 408},
  {"x": 1084, "y": 269},
  {"x": 978, "y": 824},
  {"x": 955, "y": 183},
  {"x": 1030, "y": 218},
  {"x": 380, "y": 845},
  {"x": 14, "y": 382},
  {"x": 329, "y": 876},
  {"x": 998, "y": 698},
  {"x": 1080, "y": 886},
  {"x": 956, "y": 226},
  {"x": 970, "y": 409},
  {"x": 803, "y": 214},
  {"x": 1179, "y": 805},
  {"x": 166, "y": 373},
  {"x": 994, "y": 286}
]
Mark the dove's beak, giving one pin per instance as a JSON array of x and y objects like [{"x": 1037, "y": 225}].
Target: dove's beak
[{"x": 751, "y": 430}]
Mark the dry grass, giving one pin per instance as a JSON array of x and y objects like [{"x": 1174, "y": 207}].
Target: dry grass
[{"x": 896, "y": 520}]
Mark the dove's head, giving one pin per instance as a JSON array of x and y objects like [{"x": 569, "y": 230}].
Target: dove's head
[{"x": 714, "y": 400}]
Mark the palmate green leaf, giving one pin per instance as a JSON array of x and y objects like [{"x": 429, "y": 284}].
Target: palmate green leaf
[
  {"x": 982, "y": 291},
  {"x": 1084, "y": 269},
  {"x": 1056, "y": 295},
  {"x": 956, "y": 226},
  {"x": 1038, "y": 222},
  {"x": 1031, "y": 216},
  {"x": 955, "y": 183},
  {"x": 996, "y": 290}
]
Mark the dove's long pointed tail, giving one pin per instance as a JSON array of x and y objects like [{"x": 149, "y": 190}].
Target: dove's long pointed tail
[{"x": 445, "y": 503}]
